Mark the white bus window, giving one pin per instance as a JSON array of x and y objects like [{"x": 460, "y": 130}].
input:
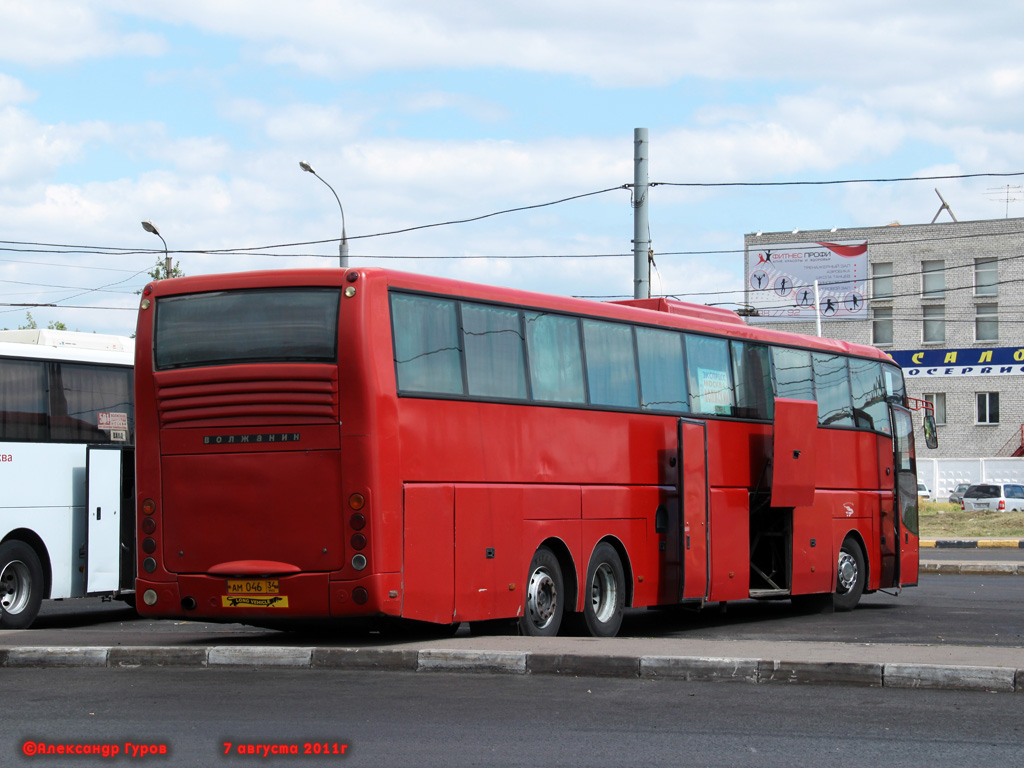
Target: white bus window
[{"x": 23, "y": 400}]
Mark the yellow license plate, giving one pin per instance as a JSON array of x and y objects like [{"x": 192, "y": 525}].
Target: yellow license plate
[{"x": 253, "y": 587}]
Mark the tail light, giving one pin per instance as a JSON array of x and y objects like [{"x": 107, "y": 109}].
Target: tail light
[
  {"x": 357, "y": 522},
  {"x": 148, "y": 527},
  {"x": 1002, "y": 505},
  {"x": 962, "y": 505}
]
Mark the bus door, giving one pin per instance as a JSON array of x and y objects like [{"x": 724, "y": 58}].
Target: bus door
[
  {"x": 694, "y": 533},
  {"x": 906, "y": 546},
  {"x": 103, "y": 552}
]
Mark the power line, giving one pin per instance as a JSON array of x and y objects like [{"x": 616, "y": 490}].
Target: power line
[{"x": 829, "y": 181}]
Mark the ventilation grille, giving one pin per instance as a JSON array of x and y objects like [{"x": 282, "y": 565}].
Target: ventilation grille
[{"x": 249, "y": 395}]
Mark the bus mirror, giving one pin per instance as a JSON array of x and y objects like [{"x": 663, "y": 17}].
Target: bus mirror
[{"x": 931, "y": 435}]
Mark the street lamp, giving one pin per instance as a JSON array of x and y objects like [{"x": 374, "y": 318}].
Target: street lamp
[
  {"x": 343, "y": 247},
  {"x": 150, "y": 227}
]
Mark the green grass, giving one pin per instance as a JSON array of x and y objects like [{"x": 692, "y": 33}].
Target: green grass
[{"x": 948, "y": 520}]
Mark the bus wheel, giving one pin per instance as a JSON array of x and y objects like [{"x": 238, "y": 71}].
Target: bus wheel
[
  {"x": 545, "y": 596},
  {"x": 606, "y": 584},
  {"x": 21, "y": 585},
  {"x": 850, "y": 575}
]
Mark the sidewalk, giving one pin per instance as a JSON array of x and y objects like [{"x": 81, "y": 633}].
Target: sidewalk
[
  {"x": 867, "y": 664},
  {"x": 965, "y": 565},
  {"x": 934, "y": 666}
]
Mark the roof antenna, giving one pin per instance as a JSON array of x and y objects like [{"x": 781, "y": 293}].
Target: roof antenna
[{"x": 943, "y": 207}]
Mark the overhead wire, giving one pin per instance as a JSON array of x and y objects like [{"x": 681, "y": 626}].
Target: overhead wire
[{"x": 70, "y": 249}]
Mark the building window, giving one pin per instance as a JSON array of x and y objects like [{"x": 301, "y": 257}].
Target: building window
[
  {"x": 988, "y": 407},
  {"x": 934, "y": 324},
  {"x": 986, "y": 277},
  {"x": 938, "y": 401},
  {"x": 881, "y": 280},
  {"x": 986, "y": 322},
  {"x": 881, "y": 326},
  {"x": 933, "y": 279}
]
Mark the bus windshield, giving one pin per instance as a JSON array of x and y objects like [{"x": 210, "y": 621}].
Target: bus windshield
[{"x": 225, "y": 328}]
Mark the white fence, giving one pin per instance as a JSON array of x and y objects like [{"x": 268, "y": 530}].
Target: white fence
[{"x": 942, "y": 476}]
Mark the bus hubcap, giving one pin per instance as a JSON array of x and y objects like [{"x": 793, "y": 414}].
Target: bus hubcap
[
  {"x": 847, "y": 571},
  {"x": 542, "y": 597},
  {"x": 603, "y": 593},
  {"x": 14, "y": 587}
]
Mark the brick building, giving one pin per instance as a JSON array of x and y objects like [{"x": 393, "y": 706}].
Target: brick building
[{"x": 945, "y": 300}]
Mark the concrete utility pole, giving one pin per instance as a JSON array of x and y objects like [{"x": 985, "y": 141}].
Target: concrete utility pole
[{"x": 641, "y": 231}]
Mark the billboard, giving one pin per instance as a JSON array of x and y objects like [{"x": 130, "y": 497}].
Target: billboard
[
  {"x": 973, "y": 361},
  {"x": 780, "y": 281}
]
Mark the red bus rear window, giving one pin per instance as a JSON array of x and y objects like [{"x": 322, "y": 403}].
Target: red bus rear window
[{"x": 230, "y": 327}]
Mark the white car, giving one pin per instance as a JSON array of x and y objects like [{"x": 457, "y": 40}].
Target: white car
[
  {"x": 997, "y": 497},
  {"x": 923, "y": 494}
]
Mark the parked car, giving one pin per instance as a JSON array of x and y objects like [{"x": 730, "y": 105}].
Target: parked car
[
  {"x": 997, "y": 497},
  {"x": 923, "y": 494},
  {"x": 958, "y": 493}
]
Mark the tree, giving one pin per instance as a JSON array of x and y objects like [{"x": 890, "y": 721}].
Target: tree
[
  {"x": 31, "y": 324},
  {"x": 159, "y": 271}
]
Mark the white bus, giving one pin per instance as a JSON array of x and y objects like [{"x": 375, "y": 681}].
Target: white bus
[{"x": 67, "y": 436}]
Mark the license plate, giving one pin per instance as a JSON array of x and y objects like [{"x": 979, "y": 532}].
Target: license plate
[{"x": 253, "y": 587}]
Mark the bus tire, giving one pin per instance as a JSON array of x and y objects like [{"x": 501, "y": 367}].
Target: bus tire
[
  {"x": 21, "y": 585},
  {"x": 851, "y": 574},
  {"x": 544, "y": 603},
  {"x": 606, "y": 592}
]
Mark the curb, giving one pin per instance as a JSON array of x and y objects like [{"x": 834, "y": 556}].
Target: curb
[
  {"x": 973, "y": 569},
  {"x": 680, "y": 668},
  {"x": 972, "y": 543}
]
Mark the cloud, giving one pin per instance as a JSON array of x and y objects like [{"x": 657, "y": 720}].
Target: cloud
[
  {"x": 13, "y": 91},
  {"x": 51, "y": 32},
  {"x": 610, "y": 43},
  {"x": 433, "y": 101},
  {"x": 30, "y": 150}
]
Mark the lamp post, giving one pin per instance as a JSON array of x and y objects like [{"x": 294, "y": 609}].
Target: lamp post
[
  {"x": 343, "y": 247},
  {"x": 150, "y": 227}
]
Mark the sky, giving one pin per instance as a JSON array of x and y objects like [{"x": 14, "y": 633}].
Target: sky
[{"x": 195, "y": 115}]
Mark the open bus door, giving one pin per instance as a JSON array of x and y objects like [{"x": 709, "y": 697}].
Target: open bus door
[
  {"x": 105, "y": 511},
  {"x": 694, "y": 532},
  {"x": 905, "y": 547}
]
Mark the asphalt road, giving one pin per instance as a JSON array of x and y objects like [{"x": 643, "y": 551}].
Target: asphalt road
[
  {"x": 973, "y": 555},
  {"x": 944, "y": 609},
  {"x": 416, "y": 719}
]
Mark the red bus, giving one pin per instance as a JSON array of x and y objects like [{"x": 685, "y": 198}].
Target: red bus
[{"x": 364, "y": 442}]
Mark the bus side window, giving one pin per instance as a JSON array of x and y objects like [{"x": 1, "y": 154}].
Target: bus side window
[
  {"x": 832, "y": 385},
  {"x": 23, "y": 400},
  {"x": 867, "y": 384},
  {"x": 556, "y": 362},
  {"x": 427, "y": 353},
  {"x": 894, "y": 386},
  {"x": 79, "y": 393},
  {"x": 493, "y": 339},
  {"x": 752, "y": 373},
  {"x": 662, "y": 372},
  {"x": 792, "y": 372},
  {"x": 710, "y": 374},
  {"x": 611, "y": 364}
]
